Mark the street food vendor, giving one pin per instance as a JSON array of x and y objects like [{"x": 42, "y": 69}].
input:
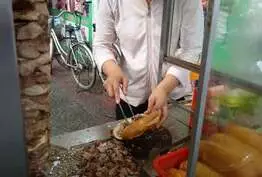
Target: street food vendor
[{"x": 136, "y": 25}]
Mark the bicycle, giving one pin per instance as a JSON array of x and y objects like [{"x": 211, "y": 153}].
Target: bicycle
[{"x": 73, "y": 53}]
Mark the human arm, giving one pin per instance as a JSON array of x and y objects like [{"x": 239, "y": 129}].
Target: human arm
[
  {"x": 204, "y": 3},
  {"x": 115, "y": 80},
  {"x": 158, "y": 97},
  {"x": 212, "y": 105},
  {"x": 191, "y": 37},
  {"x": 105, "y": 36},
  {"x": 174, "y": 77},
  {"x": 192, "y": 30}
]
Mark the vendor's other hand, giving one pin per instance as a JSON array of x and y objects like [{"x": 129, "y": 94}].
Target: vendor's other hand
[
  {"x": 212, "y": 105},
  {"x": 205, "y": 3},
  {"x": 158, "y": 101},
  {"x": 115, "y": 80}
]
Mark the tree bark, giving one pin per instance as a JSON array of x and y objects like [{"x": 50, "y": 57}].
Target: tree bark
[{"x": 32, "y": 41}]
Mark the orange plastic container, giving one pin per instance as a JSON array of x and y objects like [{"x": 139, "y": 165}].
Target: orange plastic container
[
  {"x": 170, "y": 160},
  {"x": 194, "y": 76}
]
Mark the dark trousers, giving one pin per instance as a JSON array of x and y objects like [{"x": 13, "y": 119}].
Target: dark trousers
[{"x": 136, "y": 109}]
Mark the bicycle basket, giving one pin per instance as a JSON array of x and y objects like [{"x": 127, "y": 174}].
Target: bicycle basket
[{"x": 59, "y": 27}]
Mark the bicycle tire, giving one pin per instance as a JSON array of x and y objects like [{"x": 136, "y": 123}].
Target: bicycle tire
[
  {"x": 51, "y": 48},
  {"x": 51, "y": 52},
  {"x": 87, "y": 63}
]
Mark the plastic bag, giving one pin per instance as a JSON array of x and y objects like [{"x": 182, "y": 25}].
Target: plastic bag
[{"x": 59, "y": 27}]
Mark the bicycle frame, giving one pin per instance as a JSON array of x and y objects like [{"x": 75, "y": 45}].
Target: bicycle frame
[
  {"x": 77, "y": 30},
  {"x": 56, "y": 42},
  {"x": 60, "y": 50}
]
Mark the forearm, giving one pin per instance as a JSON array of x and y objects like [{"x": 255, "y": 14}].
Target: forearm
[{"x": 169, "y": 83}]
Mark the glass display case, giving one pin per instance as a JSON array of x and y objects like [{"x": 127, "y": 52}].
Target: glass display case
[{"x": 226, "y": 137}]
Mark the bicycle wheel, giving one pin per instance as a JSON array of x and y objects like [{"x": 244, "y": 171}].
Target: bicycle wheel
[
  {"x": 51, "y": 48},
  {"x": 84, "y": 70},
  {"x": 51, "y": 52}
]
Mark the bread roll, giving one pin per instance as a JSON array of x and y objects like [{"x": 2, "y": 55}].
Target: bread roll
[
  {"x": 204, "y": 171},
  {"x": 233, "y": 143},
  {"x": 140, "y": 126},
  {"x": 201, "y": 170},
  {"x": 226, "y": 159},
  {"x": 245, "y": 135},
  {"x": 183, "y": 165},
  {"x": 176, "y": 173}
]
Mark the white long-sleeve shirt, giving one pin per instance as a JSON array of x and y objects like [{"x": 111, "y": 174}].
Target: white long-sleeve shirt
[{"x": 137, "y": 28}]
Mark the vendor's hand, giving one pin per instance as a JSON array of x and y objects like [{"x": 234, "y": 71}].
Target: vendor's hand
[
  {"x": 158, "y": 101},
  {"x": 212, "y": 105},
  {"x": 115, "y": 80},
  {"x": 205, "y": 3}
]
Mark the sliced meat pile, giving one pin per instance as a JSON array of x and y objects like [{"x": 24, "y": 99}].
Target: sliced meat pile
[{"x": 108, "y": 159}]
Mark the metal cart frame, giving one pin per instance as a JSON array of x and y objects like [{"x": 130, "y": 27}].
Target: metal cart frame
[{"x": 204, "y": 70}]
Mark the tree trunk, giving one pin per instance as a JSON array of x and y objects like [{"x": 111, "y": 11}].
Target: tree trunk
[{"x": 32, "y": 41}]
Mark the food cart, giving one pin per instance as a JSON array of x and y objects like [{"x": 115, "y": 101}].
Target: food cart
[
  {"x": 223, "y": 38},
  {"x": 231, "y": 55}
]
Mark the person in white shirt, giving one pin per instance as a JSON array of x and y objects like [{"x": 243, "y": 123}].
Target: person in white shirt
[{"x": 136, "y": 26}]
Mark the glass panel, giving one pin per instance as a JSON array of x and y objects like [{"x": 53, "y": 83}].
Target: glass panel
[
  {"x": 185, "y": 37},
  {"x": 231, "y": 139},
  {"x": 231, "y": 142},
  {"x": 238, "y": 44}
]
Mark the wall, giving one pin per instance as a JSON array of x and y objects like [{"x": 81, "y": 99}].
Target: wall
[{"x": 32, "y": 40}]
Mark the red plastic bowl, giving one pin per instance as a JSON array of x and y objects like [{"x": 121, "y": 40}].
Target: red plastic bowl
[{"x": 170, "y": 160}]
